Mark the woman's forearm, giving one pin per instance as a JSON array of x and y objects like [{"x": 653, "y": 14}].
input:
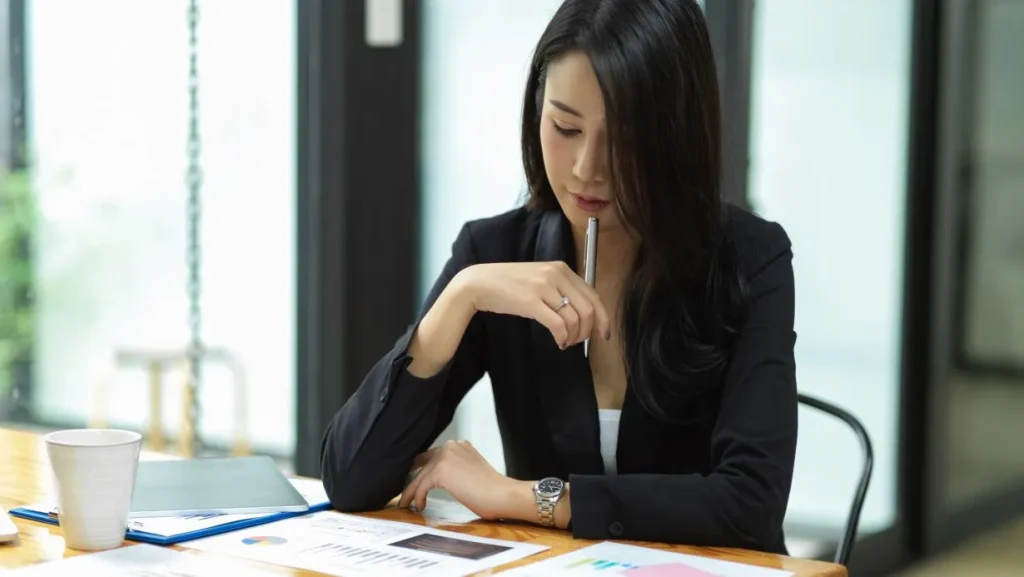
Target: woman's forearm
[{"x": 441, "y": 330}]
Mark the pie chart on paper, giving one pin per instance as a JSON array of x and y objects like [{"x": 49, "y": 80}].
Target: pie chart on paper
[{"x": 264, "y": 540}]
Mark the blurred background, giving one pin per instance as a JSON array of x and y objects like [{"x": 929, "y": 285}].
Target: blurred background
[{"x": 279, "y": 182}]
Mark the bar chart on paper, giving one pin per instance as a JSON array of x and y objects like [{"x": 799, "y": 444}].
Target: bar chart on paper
[
  {"x": 589, "y": 565},
  {"x": 371, "y": 560},
  {"x": 345, "y": 545},
  {"x": 617, "y": 560}
]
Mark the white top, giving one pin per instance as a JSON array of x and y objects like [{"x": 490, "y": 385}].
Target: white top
[{"x": 609, "y": 421}]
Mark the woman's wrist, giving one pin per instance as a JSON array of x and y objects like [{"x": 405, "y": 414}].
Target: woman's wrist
[
  {"x": 441, "y": 330},
  {"x": 465, "y": 287},
  {"x": 519, "y": 502}
]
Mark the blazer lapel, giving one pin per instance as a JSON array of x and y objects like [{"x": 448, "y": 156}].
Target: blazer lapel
[{"x": 563, "y": 379}]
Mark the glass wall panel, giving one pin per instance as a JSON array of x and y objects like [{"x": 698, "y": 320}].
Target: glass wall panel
[
  {"x": 829, "y": 129},
  {"x": 986, "y": 388}
]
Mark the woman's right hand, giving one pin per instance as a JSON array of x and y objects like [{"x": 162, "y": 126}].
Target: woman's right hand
[{"x": 535, "y": 290}]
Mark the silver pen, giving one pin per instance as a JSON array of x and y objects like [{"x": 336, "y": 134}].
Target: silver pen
[{"x": 590, "y": 266}]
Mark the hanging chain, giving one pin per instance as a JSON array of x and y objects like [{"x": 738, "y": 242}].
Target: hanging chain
[{"x": 194, "y": 180}]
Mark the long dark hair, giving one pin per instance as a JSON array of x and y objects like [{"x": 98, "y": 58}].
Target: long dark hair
[{"x": 685, "y": 299}]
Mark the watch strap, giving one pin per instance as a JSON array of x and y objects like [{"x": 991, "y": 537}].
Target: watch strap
[{"x": 546, "y": 510}]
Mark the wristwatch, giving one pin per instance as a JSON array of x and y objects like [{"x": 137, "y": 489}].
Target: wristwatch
[{"x": 547, "y": 492}]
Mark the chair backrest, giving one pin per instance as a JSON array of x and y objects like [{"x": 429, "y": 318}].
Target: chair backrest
[{"x": 846, "y": 542}]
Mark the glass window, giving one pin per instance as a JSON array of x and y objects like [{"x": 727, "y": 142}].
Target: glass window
[
  {"x": 828, "y": 154},
  {"x": 986, "y": 393},
  {"x": 108, "y": 125},
  {"x": 994, "y": 319}
]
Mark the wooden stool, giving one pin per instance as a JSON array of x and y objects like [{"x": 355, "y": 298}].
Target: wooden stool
[{"x": 156, "y": 363}]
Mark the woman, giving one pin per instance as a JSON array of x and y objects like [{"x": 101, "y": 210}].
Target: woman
[{"x": 680, "y": 425}]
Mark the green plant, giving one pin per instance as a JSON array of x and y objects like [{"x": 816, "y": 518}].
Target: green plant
[{"x": 17, "y": 222}]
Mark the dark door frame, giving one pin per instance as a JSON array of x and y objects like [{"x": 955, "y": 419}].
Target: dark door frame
[
  {"x": 358, "y": 205},
  {"x": 731, "y": 25}
]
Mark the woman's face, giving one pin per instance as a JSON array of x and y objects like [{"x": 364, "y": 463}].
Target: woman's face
[{"x": 574, "y": 142}]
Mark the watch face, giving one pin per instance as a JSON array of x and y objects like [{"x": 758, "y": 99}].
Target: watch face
[{"x": 550, "y": 487}]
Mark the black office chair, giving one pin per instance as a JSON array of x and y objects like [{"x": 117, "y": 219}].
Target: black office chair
[{"x": 846, "y": 542}]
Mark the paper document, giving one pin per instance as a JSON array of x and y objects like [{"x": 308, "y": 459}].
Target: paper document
[
  {"x": 443, "y": 511},
  {"x": 142, "y": 561},
  {"x": 339, "y": 544},
  {"x": 610, "y": 559}
]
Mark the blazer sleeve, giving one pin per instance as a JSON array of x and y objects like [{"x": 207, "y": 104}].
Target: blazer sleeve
[
  {"x": 370, "y": 443},
  {"x": 742, "y": 502}
]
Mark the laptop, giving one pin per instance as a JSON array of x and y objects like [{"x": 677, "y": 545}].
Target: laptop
[{"x": 205, "y": 486}]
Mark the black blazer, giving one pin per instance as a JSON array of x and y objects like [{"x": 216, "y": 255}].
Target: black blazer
[{"x": 723, "y": 482}]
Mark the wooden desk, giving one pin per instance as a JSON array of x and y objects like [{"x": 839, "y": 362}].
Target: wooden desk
[{"x": 25, "y": 477}]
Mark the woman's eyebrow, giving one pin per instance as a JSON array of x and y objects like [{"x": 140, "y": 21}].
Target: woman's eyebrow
[{"x": 566, "y": 108}]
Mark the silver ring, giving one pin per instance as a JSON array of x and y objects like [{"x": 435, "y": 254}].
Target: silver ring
[{"x": 562, "y": 303}]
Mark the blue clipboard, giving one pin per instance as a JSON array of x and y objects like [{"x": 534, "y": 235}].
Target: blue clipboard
[{"x": 140, "y": 535}]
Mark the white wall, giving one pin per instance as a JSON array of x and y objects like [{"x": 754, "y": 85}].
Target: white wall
[
  {"x": 829, "y": 126},
  {"x": 108, "y": 122}
]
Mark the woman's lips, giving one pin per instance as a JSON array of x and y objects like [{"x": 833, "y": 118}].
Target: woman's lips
[{"x": 589, "y": 203}]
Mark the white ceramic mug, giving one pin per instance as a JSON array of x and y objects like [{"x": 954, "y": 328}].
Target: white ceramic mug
[{"x": 94, "y": 472}]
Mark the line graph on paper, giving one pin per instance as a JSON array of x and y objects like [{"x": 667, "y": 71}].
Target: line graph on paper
[{"x": 344, "y": 527}]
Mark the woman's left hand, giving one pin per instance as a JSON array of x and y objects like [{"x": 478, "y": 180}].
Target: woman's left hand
[{"x": 457, "y": 467}]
